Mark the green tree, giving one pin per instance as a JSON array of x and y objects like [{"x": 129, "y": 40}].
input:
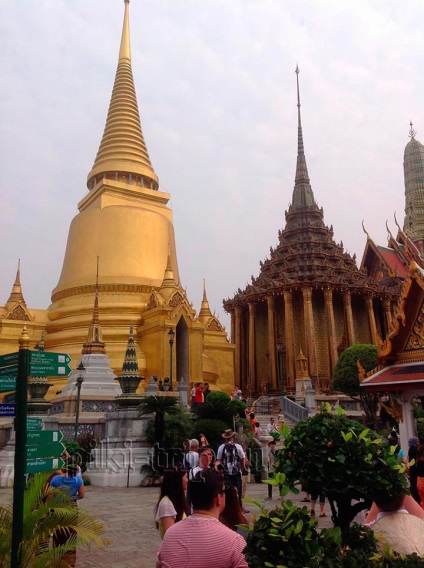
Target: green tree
[
  {"x": 335, "y": 456},
  {"x": 46, "y": 511},
  {"x": 160, "y": 407},
  {"x": 346, "y": 377},
  {"x": 218, "y": 405}
]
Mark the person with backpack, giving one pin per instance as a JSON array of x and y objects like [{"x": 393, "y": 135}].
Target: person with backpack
[{"x": 231, "y": 458}]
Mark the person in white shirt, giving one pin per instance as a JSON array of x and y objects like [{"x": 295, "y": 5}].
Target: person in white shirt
[
  {"x": 231, "y": 458},
  {"x": 192, "y": 456}
]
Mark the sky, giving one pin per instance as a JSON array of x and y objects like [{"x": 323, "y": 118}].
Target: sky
[{"x": 216, "y": 89}]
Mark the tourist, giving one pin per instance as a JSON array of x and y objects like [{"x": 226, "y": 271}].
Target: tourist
[
  {"x": 271, "y": 465},
  {"x": 272, "y": 429},
  {"x": 314, "y": 498},
  {"x": 413, "y": 444},
  {"x": 409, "y": 504},
  {"x": 233, "y": 514},
  {"x": 192, "y": 394},
  {"x": 420, "y": 473},
  {"x": 206, "y": 455},
  {"x": 206, "y": 391},
  {"x": 172, "y": 505},
  {"x": 280, "y": 420},
  {"x": 394, "y": 441},
  {"x": 198, "y": 395},
  {"x": 395, "y": 526},
  {"x": 192, "y": 456},
  {"x": 231, "y": 457},
  {"x": 201, "y": 540},
  {"x": 73, "y": 485}
]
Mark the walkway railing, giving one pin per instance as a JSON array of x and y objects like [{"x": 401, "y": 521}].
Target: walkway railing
[{"x": 293, "y": 410}]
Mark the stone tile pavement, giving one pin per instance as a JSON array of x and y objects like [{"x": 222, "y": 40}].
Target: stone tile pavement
[{"x": 128, "y": 514}]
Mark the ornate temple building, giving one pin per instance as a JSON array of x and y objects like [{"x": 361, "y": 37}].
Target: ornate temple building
[
  {"x": 124, "y": 226},
  {"x": 310, "y": 299}
]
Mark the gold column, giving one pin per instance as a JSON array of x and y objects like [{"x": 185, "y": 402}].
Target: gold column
[
  {"x": 347, "y": 303},
  {"x": 252, "y": 346},
  {"x": 237, "y": 352},
  {"x": 309, "y": 331},
  {"x": 272, "y": 343},
  {"x": 233, "y": 326},
  {"x": 289, "y": 329},
  {"x": 331, "y": 327},
  {"x": 371, "y": 319},
  {"x": 387, "y": 314}
]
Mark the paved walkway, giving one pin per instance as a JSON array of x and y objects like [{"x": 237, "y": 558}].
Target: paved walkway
[{"x": 128, "y": 515}]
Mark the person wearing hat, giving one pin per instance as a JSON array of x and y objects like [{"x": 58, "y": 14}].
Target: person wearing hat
[{"x": 231, "y": 458}]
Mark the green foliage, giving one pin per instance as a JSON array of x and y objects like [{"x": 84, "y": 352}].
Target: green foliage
[
  {"x": 218, "y": 405},
  {"x": 177, "y": 428},
  {"x": 338, "y": 457},
  {"x": 345, "y": 375},
  {"x": 420, "y": 429},
  {"x": 159, "y": 407},
  {"x": 211, "y": 429},
  {"x": 46, "y": 511},
  {"x": 285, "y": 536}
]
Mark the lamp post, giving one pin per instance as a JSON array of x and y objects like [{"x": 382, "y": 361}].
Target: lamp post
[
  {"x": 280, "y": 365},
  {"x": 171, "y": 335},
  {"x": 80, "y": 380}
]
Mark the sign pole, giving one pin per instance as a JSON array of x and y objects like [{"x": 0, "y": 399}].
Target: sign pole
[{"x": 20, "y": 447}]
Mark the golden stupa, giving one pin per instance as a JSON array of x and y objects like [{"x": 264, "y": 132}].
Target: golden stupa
[{"x": 125, "y": 226}]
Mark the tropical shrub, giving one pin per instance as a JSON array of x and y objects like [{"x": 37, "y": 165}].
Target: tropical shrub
[
  {"x": 341, "y": 459},
  {"x": 346, "y": 376},
  {"x": 218, "y": 405},
  {"x": 47, "y": 510}
]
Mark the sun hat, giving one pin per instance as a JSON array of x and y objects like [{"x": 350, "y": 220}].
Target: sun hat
[
  {"x": 404, "y": 533},
  {"x": 228, "y": 434}
]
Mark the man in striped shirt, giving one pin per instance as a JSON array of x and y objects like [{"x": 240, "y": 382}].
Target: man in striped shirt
[{"x": 201, "y": 540}]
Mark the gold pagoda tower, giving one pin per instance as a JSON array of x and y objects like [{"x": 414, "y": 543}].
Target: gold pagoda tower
[
  {"x": 126, "y": 223},
  {"x": 309, "y": 302},
  {"x": 413, "y": 167}
]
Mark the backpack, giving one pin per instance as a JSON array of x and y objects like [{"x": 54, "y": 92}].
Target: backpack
[{"x": 231, "y": 460}]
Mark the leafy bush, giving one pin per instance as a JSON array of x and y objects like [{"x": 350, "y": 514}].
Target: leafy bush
[
  {"x": 177, "y": 428},
  {"x": 211, "y": 429},
  {"x": 218, "y": 405},
  {"x": 420, "y": 429},
  {"x": 345, "y": 374},
  {"x": 335, "y": 456}
]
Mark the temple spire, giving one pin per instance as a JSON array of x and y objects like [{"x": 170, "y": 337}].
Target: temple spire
[
  {"x": 168, "y": 278},
  {"x": 130, "y": 364},
  {"x": 123, "y": 155},
  {"x": 205, "y": 311},
  {"x": 303, "y": 197},
  {"x": 94, "y": 343},
  {"x": 16, "y": 293},
  {"x": 412, "y": 132}
]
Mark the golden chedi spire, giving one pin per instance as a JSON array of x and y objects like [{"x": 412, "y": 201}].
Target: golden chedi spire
[
  {"x": 94, "y": 343},
  {"x": 205, "y": 311},
  {"x": 168, "y": 277},
  {"x": 16, "y": 295},
  {"x": 122, "y": 151}
]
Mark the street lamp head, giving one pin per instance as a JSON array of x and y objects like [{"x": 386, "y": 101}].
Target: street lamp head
[
  {"x": 80, "y": 380},
  {"x": 171, "y": 334},
  {"x": 80, "y": 367},
  {"x": 279, "y": 344}
]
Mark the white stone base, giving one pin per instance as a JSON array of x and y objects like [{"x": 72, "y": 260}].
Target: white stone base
[{"x": 118, "y": 467}]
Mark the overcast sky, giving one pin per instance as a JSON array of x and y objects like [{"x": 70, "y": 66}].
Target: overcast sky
[{"x": 216, "y": 89}]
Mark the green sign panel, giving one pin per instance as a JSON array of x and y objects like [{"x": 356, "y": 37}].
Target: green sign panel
[
  {"x": 9, "y": 359},
  {"x": 45, "y": 450},
  {"x": 47, "y": 364},
  {"x": 7, "y": 384},
  {"x": 49, "y": 464},
  {"x": 35, "y": 423},
  {"x": 43, "y": 437},
  {"x": 11, "y": 371}
]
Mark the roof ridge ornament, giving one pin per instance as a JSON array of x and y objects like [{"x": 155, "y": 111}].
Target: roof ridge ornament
[{"x": 412, "y": 132}]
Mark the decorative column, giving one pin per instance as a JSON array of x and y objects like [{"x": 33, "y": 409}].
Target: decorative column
[
  {"x": 347, "y": 304},
  {"x": 233, "y": 326},
  {"x": 387, "y": 314},
  {"x": 252, "y": 346},
  {"x": 371, "y": 319},
  {"x": 272, "y": 342},
  {"x": 331, "y": 327},
  {"x": 309, "y": 331},
  {"x": 237, "y": 352},
  {"x": 289, "y": 329}
]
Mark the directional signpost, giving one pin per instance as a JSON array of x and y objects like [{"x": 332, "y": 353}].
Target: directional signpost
[
  {"x": 45, "y": 451},
  {"x": 7, "y": 384},
  {"x": 8, "y": 409},
  {"x": 44, "y": 437},
  {"x": 35, "y": 423},
  {"x": 46, "y": 364},
  {"x": 49, "y": 464}
]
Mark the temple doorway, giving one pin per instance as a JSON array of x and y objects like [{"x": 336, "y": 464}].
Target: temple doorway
[{"x": 182, "y": 351}]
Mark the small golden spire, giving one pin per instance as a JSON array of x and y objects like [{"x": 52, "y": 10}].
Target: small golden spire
[
  {"x": 168, "y": 278},
  {"x": 94, "y": 343},
  {"x": 125, "y": 49},
  {"x": 205, "y": 311},
  {"x": 16, "y": 293}
]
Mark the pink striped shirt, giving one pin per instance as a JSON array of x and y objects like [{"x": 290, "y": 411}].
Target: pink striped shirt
[{"x": 202, "y": 543}]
